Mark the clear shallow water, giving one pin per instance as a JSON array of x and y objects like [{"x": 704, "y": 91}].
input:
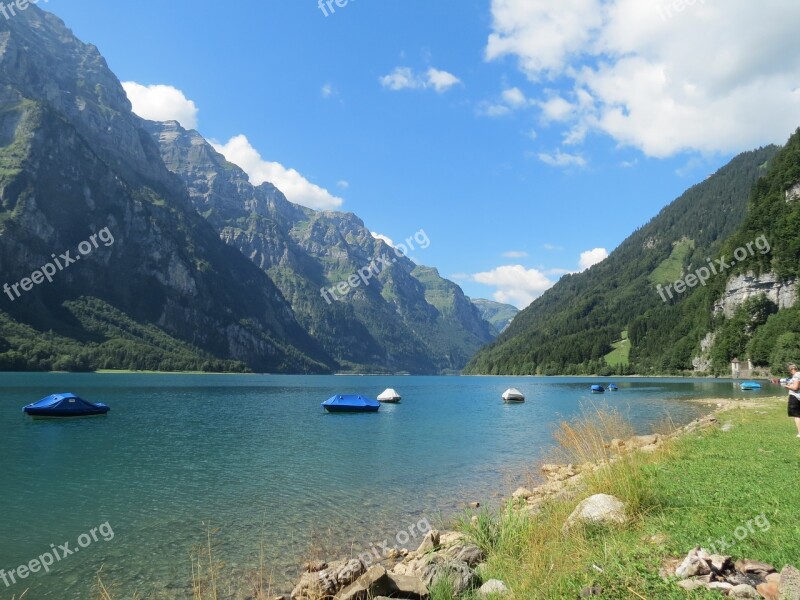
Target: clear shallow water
[{"x": 257, "y": 458}]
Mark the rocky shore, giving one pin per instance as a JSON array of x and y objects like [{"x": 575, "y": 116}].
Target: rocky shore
[{"x": 451, "y": 556}]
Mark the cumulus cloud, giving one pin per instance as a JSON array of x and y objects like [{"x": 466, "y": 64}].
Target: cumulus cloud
[
  {"x": 510, "y": 100},
  {"x": 295, "y": 187},
  {"x": 405, "y": 78},
  {"x": 562, "y": 159},
  {"x": 161, "y": 103},
  {"x": 712, "y": 77},
  {"x": 515, "y": 284},
  {"x": 592, "y": 257}
]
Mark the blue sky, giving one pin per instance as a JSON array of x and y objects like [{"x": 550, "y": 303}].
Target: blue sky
[{"x": 518, "y": 134}]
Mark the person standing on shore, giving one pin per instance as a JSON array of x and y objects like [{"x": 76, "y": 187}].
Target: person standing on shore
[{"x": 793, "y": 385}]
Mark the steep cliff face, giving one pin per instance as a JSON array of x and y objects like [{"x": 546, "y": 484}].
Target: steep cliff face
[
  {"x": 397, "y": 317},
  {"x": 75, "y": 160},
  {"x": 745, "y": 286}
]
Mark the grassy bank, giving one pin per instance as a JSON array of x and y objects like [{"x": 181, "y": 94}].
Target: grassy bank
[{"x": 697, "y": 490}]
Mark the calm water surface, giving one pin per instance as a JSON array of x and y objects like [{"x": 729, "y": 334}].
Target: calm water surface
[{"x": 256, "y": 460}]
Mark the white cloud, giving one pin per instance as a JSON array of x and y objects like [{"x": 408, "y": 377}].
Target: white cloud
[
  {"x": 510, "y": 100},
  {"x": 713, "y": 77},
  {"x": 592, "y": 257},
  {"x": 556, "y": 109},
  {"x": 562, "y": 159},
  {"x": 295, "y": 187},
  {"x": 514, "y": 97},
  {"x": 379, "y": 236},
  {"x": 515, "y": 254},
  {"x": 161, "y": 103},
  {"x": 515, "y": 284},
  {"x": 441, "y": 81},
  {"x": 343, "y": 184},
  {"x": 553, "y": 247},
  {"x": 328, "y": 90},
  {"x": 404, "y": 78}
]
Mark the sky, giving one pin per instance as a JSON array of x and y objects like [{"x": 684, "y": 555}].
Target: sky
[{"x": 526, "y": 138}]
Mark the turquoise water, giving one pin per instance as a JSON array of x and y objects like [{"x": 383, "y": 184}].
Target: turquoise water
[{"x": 257, "y": 461}]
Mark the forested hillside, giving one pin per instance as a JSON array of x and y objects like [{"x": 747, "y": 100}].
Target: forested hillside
[{"x": 611, "y": 318}]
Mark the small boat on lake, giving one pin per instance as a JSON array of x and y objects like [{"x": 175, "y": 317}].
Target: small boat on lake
[
  {"x": 613, "y": 387},
  {"x": 390, "y": 396},
  {"x": 598, "y": 389},
  {"x": 351, "y": 403},
  {"x": 513, "y": 395},
  {"x": 749, "y": 386},
  {"x": 64, "y": 406}
]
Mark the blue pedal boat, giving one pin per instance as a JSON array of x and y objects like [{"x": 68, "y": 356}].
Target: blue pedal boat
[
  {"x": 598, "y": 389},
  {"x": 350, "y": 403},
  {"x": 749, "y": 386},
  {"x": 613, "y": 387},
  {"x": 63, "y": 406}
]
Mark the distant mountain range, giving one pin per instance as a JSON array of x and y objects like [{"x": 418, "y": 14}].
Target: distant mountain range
[
  {"x": 711, "y": 279},
  {"x": 205, "y": 271}
]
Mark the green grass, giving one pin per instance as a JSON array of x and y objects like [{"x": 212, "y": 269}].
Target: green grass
[
  {"x": 621, "y": 352},
  {"x": 700, "y": 489},
  {"x": 671, "y": 268}
]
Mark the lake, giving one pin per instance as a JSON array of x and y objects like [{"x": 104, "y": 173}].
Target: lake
[{"x": 256, "y": 462}]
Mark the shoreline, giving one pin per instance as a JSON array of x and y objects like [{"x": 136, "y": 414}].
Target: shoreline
[{"x": 561, "y": 482}]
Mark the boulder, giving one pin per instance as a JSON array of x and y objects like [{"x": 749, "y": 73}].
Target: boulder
[
  {"x": 744, "y": 591},
  {"x": 314, "y": 566},
  {"x": 374, "y": 582},
  {"x": 326, "y": 583},
  {"x": 746, "y": 565},
  {"x": 691, "y": 584},
  {"x": 789, "y": 585},
  {"x": 456, "y": 572},
  {"x": 598, "y": 509},
  {"x": 493, "y": 586},
  {"x": 472, "y": 555},
  {"x": 429, "y": 543},
  {"x": 694, "y": 564},
  {"x": 405, "y": 586},
  {"x": 719, "y": 563},
  {"x": 522, "y": 493},
  {"x": 720, "y": 586},
  {"x": 768, "y": 590}
]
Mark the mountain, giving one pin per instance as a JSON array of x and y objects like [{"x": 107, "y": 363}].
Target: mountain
[
  {"x": 394, "y": 316},
  {"x": 497, "y": 314},
  {"x": 77, "y": 167},
  {"x": 611, "y": 318}
]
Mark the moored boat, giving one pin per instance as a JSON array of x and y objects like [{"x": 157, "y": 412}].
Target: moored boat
[
  {"x": 513, "y": 395},
  {"x": 597, "y": 389},
  {"x": 749, "y": 386},
  {"x": 389, "y": 395},
  {"x": 351, "y": 403},
  {"x": 64, "y": 405},
  {"x": 613, "y": 387}
]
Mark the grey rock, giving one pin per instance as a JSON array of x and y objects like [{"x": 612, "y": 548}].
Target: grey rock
[
  {"x": 691, "y": 584},
  {"x": 598, "y": 509},
  {"x": 744, "y": 591},
  {"x": 456, "y": 572},
  {"x": 493, "y": 586},
  {"x": 430, "y": 542},
  {"x": 746, "y": 565},
  {"x": 472, "y": 555},
  {"x": 693, "y": 565},
  {"x": 789, "y": 585}
]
